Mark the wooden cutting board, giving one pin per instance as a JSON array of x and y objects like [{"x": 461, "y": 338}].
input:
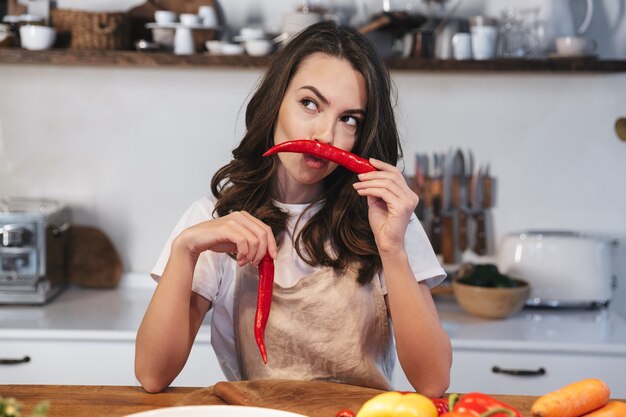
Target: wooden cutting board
[{"x": 311, "y": 398}]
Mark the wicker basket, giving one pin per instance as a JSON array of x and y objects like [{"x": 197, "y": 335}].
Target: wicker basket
[{"x": 86, "y": 30}]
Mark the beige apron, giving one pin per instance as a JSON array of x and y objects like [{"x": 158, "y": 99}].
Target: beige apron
[{"x": 326, "y": 327}]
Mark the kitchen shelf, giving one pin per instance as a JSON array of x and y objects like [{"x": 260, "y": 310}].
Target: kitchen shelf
[
  {"x": 560, "y": 65},
  {"x": 124, "y": 58},
  {"x": 66, "y": 57}
]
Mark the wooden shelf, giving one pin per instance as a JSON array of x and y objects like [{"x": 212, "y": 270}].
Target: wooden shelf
[
  {"x": 162, "y": 59},
  {"x": 124, "y": 59},
  {"x": 560, "y": 65}
]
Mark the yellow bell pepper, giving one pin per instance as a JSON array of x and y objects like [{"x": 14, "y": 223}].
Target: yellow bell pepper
[{"x": 395, "y": 404}]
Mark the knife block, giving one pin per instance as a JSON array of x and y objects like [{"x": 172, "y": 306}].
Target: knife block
[{"x": 454, "y": 229}]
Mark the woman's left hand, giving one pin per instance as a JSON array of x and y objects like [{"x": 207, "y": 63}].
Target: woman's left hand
[{"x": 391, "y": 203}]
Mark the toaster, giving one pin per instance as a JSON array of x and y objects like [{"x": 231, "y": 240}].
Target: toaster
[
  {"x": 563, "y": 268},
  {"x": 34, "y": 250}
]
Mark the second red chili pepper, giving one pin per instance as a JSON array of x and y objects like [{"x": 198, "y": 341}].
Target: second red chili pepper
[
  {"x": 264, "y": 302},
  {"x": 331, "y": 153}
]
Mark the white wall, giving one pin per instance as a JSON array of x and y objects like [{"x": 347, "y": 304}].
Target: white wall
[{"x": 130, "y": 148}]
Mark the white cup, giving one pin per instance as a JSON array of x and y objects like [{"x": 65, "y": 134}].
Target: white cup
[
  {"x": 462, "y": 46},
  {"x": 163, "y": 17},
  {"x": 208, "y": 15},
  {"x": 189, "y": 19},
  {"x": 183, "y": 41},
  {"x": 484, "y": 42},
  {"x": 575, "y": 46}
]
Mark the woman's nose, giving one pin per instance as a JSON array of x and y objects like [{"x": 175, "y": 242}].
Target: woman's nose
[{"x": 324, "y": 130}]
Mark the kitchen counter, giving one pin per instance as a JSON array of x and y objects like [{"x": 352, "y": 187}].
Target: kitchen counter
[
  {"x": 601, "y": 330},
  {"x": 79, "y": 313},
  {"x": 86, "y": 337}
]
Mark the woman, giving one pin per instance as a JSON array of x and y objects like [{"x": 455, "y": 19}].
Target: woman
[{"x": 350, "y": 256}]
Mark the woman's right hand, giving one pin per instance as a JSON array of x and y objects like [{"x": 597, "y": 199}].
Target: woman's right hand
[{"x": 238, "y": 232}]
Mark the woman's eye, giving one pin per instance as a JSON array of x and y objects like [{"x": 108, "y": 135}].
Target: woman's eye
[
  {"x": 350, "y": 120},
  {"x": 309, "y": 104}
]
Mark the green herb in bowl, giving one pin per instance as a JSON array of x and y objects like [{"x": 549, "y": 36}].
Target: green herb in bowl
[{"x": 486, "y": 275}]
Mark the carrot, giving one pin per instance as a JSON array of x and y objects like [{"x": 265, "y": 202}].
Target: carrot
[
  {"x": 572, "y": 400},
  {"x": 611, "y": 409}
]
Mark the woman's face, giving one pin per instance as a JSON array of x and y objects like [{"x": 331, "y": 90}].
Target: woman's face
[{"x": 325, "y": 101}]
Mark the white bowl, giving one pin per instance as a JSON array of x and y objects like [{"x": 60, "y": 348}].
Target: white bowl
[
  {"x": 231, "y": 49},
  {"x": 37, "y": 38},
  {"x": 258, "y": 47},
  {"x": 214, "y": 47}
]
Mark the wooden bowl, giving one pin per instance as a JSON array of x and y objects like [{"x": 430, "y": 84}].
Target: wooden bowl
[{"x": 491, "y": 303}]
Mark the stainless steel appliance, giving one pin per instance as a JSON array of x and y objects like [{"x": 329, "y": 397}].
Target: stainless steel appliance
[
  {"x": 563, "y": 268},
  {"x": 34, "y": 250}
]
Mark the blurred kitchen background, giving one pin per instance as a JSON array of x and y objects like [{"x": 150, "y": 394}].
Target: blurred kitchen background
[{"x": 129, "y": 148}]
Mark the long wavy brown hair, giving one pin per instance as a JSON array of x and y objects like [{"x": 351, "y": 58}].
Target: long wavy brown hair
[{"x": 246, "y": 183}]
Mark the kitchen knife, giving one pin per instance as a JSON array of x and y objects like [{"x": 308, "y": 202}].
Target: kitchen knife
[
  {"x": 421, "y": 174},
  {"x": 435, "y": 196},
  {"x": 448, "y": 243},
  {"x": 469, "y": 170},
  {"x": 460, "y": 191},
  {"x": 478, "y": 213}
]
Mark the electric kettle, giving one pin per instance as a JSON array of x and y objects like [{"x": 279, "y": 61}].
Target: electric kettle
[{"x": 554, "y": 18}]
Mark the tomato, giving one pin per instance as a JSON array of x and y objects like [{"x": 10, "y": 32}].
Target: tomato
[{"x": 345, "y": 413}]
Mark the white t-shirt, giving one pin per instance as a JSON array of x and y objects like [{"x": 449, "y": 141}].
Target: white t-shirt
[{"x": 214, "y": 274}]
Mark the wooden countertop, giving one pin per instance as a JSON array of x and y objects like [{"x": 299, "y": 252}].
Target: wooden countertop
[{"x": 312, "y": 398}]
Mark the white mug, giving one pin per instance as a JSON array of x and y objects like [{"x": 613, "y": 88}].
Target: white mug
[
  {"x": 462, "y": 46},
  {"x": 575, "y": 46},
  {"x": 208, "y": 15},
  {"x": 183, "y": 41},
  {"x": 484, "y": 42}
]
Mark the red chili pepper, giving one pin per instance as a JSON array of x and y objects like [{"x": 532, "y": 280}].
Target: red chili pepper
[
  {"x": 264, "y": 302},
  {"x": 478, "y": 404},
  {"x": 346, "y": 159}
]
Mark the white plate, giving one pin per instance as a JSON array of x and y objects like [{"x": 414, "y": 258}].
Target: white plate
[
  {"x": 215, "y": 411},
  {"x": 175, "y": 25}
]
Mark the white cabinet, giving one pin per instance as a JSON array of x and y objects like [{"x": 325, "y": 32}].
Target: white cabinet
[
  {"x": 473, "y": 370},
  {"x": 87, "y": 337},
  {"x": 94, "y": 362}
]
